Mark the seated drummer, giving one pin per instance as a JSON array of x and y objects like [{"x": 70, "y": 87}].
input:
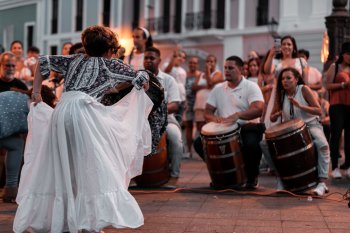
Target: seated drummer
[
  {"x": 296, "y": 100},
  {"x": 239, "y": 100},
  {"x": 172, "y": 97}
]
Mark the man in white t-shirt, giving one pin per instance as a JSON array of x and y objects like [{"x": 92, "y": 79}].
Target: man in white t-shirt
[
  {"x": 240, "y": 101},
  {"x": 172, "y": 97}
]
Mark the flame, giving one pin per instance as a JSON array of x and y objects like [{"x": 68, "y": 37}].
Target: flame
[{"x": 324, "y": 48}]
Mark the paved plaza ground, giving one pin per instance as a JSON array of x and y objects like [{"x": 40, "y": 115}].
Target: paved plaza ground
[{"x": 194, "y": 207}]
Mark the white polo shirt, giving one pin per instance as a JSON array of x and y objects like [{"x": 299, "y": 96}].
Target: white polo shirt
[{"x": 228, "y": 101}]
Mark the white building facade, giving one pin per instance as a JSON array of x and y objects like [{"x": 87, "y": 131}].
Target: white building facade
[{"x": 201, "y": 27}]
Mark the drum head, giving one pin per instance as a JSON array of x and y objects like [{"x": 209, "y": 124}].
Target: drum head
[
  {"x": 213, "y": 128},
  {"x": 284, "y": 128}
]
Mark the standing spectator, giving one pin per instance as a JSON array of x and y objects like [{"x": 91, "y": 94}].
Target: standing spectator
[
  {"x": 12, "y": 143},
  {"x": 338, "y": 84},
  {"x": 66, "y": 48},
  {"x": 203, "y": 84},
  {"x": 142, "y": 40},
  {"x": 175, "y": 70},
  {"x": 314, "y": 77},
  {"x": 253, "y": 70},
  {"x": 278, "y": 60},
  {"x": 193, "y": 73},
  {"x": 22, "y": 71}
]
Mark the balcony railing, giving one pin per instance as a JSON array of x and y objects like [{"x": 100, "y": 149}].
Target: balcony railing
[{"x": 193, "y": 21}]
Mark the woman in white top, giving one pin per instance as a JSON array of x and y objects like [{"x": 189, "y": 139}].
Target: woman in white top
[
  {"x": 296, "y": 100},
  {"x": 142, "y": 40},
  {"x": 202, "y": 85},
  {"x": 278, "y": 60},
  {"x": 22, "y": 70}
]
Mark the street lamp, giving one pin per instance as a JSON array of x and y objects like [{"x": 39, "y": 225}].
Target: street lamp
[{"x": 272, "y": 26}]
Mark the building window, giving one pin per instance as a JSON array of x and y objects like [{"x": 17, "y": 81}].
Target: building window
[
  {"x": 106, "y": 15},
  {"x": 178, "y": 16},
  {"x": 79, "y": 16},
  {"x": 207, "y": 14},
  {"x": 220, "y": 15},
  {"x": 166, "y": 15},
  {"x": 136, "y": 14},
  {"x": 54, "y": 20},
  {"x": 262, "y": 12},
  {"x": 53, "y": 50},
  {"x": 30, "y": 36}
]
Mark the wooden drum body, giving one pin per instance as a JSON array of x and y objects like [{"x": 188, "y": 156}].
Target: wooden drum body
[
  {"x": 223, "y": 156},
  {"x": 293, "y": 154},
  {"x": 155, "y": 171}
]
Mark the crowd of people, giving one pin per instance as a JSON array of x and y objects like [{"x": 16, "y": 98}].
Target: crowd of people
[{"x": 93, "y": 93}]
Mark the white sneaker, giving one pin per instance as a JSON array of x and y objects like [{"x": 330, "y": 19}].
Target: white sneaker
[
  {"x": 336, "y": 174},
  {"x": 280, "y": 186},
  {"x": 348, "y": 172},
  {"x": 321, "y": 189}
]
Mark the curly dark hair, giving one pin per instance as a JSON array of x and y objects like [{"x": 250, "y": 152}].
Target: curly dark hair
[
  {"x": 280, "y": 90},
  {"x": 97, "y": 40}
]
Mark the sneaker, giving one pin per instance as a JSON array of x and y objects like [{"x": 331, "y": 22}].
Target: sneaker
[
  {"x": 279, "y": 185},
  {"x": 172, "y": 183},
  {"x": 252, "y": 185},
  {"x": 336, "y": 174},
  {"x": 321, "y": 189},
  {"x": 132, "y": 184}
]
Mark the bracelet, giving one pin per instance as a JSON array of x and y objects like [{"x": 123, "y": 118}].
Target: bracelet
[{"x": 342, "y": 85}]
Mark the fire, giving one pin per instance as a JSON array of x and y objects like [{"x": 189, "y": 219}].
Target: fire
[{"x": 324, "y": 48}]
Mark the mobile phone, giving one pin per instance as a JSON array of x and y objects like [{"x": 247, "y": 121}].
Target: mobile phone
[{"x": 277, "y": 44}]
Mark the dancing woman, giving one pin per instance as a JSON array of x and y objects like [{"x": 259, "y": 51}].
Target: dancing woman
[{"x": 80, "y": 156}]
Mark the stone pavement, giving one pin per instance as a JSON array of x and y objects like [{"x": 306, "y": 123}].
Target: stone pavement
[{"x": 194, "y": 207}]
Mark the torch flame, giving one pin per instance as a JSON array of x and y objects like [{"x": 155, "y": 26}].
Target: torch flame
[{"x": 324, "y": 49}]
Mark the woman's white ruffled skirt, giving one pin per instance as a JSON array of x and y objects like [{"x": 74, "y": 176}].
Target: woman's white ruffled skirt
[{"x": 79, "y": 159}]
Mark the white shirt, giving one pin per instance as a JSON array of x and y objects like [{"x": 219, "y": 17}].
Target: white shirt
[
  {"x": 228, "y": 101},
  {"x": 180, "y": 75},
  {"x": 136, "y": 61},
  {"x": 171, "y": 89}
]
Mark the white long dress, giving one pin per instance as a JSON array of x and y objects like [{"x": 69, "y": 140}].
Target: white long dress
[{"x": 79, "y": 159}]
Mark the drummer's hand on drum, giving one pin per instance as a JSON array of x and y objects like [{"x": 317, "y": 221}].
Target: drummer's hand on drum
[{"x": 231, "y": 119}]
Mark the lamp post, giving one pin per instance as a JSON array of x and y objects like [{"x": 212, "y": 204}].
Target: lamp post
[
  {"x": 338, "y": 28},
  {"x": 272, "y": 27}
]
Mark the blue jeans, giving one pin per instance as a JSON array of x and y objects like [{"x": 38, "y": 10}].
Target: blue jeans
[{"x": 14, "y": 145}]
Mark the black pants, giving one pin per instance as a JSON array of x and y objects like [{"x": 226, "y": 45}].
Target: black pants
[
  {"x": 339, "y": 116},
  {"x": 251, "y": 135}
]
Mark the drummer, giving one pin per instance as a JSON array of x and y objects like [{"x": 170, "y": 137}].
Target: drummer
[
  {"x": 240, "y": 101},
  {"x": 172, "y": 96},
  {"x": 296, "y": 100}
]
